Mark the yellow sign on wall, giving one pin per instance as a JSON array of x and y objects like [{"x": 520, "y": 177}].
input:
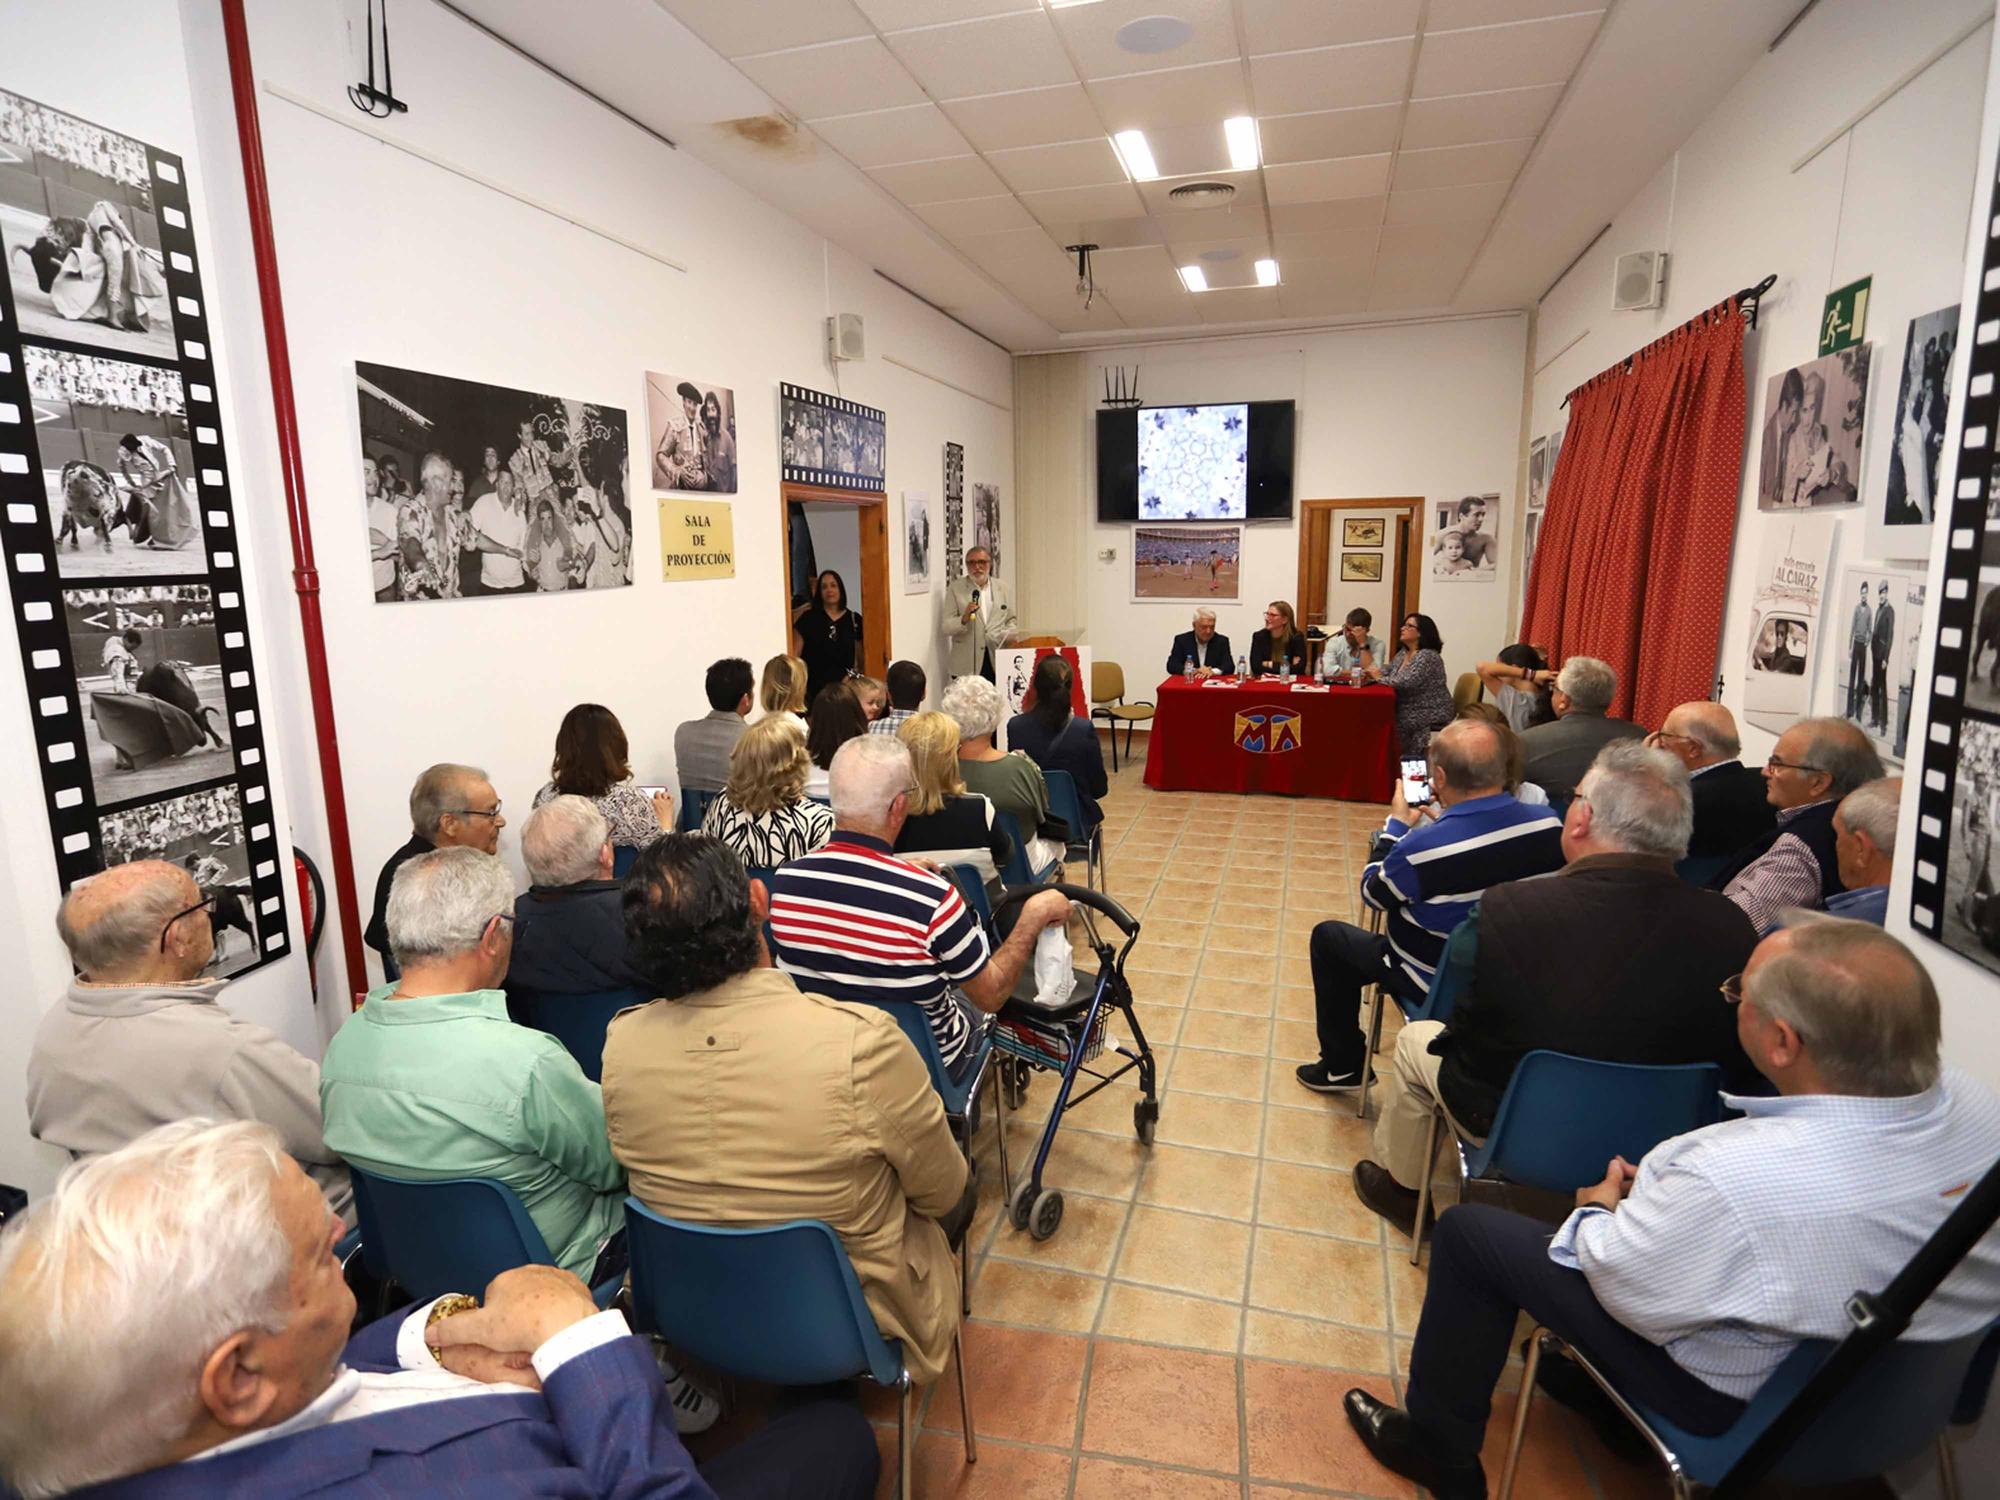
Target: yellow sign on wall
[{"x": 697, "y": 539}]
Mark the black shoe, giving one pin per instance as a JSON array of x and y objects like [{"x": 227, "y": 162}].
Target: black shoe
[
  {"x": 1375, "y": 1187},
  {"x": 1395, "y": 1442},
  {"x": 1323, "y": 1080}
]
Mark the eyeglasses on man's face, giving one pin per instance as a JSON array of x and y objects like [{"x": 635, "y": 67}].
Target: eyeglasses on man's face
[
  {"x": 1732, "y": 989},
  {"x": 1774, "y": 764},
  {"x": 476, "y": 812},
  {"x": 207, "y": 904}
]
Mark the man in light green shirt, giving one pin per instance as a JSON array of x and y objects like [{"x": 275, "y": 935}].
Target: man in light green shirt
[{"x": 431, "y": 1080}]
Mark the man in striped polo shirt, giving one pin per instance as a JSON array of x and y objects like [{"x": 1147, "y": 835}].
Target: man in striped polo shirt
[
  {"x": 1427, "y": 873},
  {"x": 855, "y": 922}
]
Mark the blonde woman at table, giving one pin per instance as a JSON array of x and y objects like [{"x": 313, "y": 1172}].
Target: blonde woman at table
[
  {"x": 1279, "y": 641},
  {"x": 1416, "y": 672}
]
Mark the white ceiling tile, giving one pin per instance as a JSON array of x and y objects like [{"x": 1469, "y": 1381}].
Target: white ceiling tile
[
  {"x": 1013, "y": 247},
  {"x": 962, "y": 218},
  {"x": 884, "y": 137},
  {"x": 1085, "y": 163},
  {"x": 1201, "y": 225},
  {"x": 980, "y": 57},
  {"x": 1070, "y": 316},
  {"x": 1502, "y": 57},
  {"x": 1161, "y": 203},
  {"x": 1072, "y": 205},
  {"x": 1288, "y": 25},
  {"x": 1027, "y": 117},
  {"x": 895, "y": 15},
  {"x": 1238, "y": 305},
  {"x": 1146, "y": 271},
  {"x": 736, "y": 30},
  {"x": 1330, "y": 132},
  {"x": 1421, "y": 267},
  {"x": 1175, "y": 310},
  {"x": 1291, "y": 83},
  {"x": 1189, "y": 150},
  {"x": 1205, "y": 253},
  {"x": 1466, "y": 119},
  {"x": 1204, "y": 95},
  {"x": 1451, "y": 205},
  {"x": 1343, "y": 177},
  {"x": 1316, "y": 218},
  {"x": 935, "y": 181},
  {"x": 1323, "y": 299},
  {"x": 1328, "y": 247},
  {"x": 1454, "y": 15},
  {"x": 1454, "y": 166},
  {"x": 840, "y": 78},
  {"x": 1092, "y": 34}
]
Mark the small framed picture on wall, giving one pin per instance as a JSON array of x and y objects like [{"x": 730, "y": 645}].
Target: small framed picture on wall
[
  {"x": 1361, "y": 567},
  {"x": 1367, "y": 531}
]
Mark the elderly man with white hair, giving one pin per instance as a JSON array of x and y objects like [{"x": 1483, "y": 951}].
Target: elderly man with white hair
[
  {"x": 142, "y": 1037},
  {"x": 569, "y": 926},
  {"x": 1864, "y": 846},
  {"x": 1208, "y": 651},
  {"x": 1557, "y": 754},
  {"x": 172, "y": 1323},
  {"x": 856, "y": 922}
]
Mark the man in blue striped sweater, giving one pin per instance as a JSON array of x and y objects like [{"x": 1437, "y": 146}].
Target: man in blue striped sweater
[{"x": 1427, "y": 871}]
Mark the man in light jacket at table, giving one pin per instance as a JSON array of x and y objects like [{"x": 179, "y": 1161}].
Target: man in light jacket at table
[{"x": 978, "y": 617}]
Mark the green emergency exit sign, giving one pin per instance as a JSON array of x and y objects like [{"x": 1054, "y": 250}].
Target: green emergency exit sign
[{"x": 1845, "y": 320}]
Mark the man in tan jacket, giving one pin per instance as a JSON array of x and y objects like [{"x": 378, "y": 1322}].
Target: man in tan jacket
[{"x": 738, "y": 1099}]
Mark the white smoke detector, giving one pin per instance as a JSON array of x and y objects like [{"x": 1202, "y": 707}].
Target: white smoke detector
[{"x": 1639, "y": 280}]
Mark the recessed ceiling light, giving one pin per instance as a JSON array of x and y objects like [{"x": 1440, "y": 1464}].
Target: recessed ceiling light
[
  {"x": 1267, "y": 273},
  {"x": 1151, "y": 34},
  {"x": 1241, "y": 133},
  {"x": 1136, "y": 154},
  {"x": 1067, "y": 4},
  {"x": 1194, "y": 278}
]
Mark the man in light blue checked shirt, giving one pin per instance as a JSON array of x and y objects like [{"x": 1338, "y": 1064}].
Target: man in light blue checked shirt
[{"x": 1689, "y": 1278}]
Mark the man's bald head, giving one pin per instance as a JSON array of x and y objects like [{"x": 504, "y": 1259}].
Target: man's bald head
[
  {"x": 1858, "y": 999},
  {"x": 1711, "y": 726},
  {"x": 112, "y": 923},
  {"x": 1471, "y": 756}
]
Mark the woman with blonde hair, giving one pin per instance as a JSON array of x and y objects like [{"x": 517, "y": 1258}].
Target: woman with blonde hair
[
  {"x": 782, "y": 693},
  {"x": 763, "y": 813},
  {"x": 1278, "y": 642},
  {"x": 946, "y": 823}
]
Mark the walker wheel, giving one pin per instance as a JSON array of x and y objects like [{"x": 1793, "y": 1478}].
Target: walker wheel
[
  {"x": 1048, "y": 1215},
  {"x": 1021, "y": 1204},
  {"x": 1145, "y": 1116}
]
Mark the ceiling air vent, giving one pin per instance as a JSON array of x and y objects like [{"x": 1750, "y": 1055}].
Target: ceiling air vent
[{"x": 1201, "y": 194}]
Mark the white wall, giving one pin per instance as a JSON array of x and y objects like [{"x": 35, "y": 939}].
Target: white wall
[
  {"x": 1431, "y": 409},
  {"x": 836, "y": 534}
]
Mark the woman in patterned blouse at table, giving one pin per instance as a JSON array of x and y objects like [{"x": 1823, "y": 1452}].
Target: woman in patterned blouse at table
[
  {"x": 764, "y": 814},
  {"x": 593, "y": 760},
  {"x": 1416, "y": 672}
]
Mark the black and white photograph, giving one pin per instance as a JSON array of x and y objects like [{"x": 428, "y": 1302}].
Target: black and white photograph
[
  {"x": 1874, "y": 619},
  {"x": 954, "y": 512},
  {"x": 1982, "y": 670},
  {"x": 202, "y": 832},
  {"x": 1916, "y": 437},
  {"x": 1465, "y": 542},
  {"x": 691, "y": 433},
  {"x": 1972, "y": 875},
  {"x": 1534, "y": 532},
  {"x": 1810, "y": 456},
  {"x": 1791, "y": 579},
  {"x": 149, "y": 679},
  {"x": 986, "y": 520},
  {"x": 916, "y": 542},
  {"x": 475, "y": 489},
  {"x": 117, "y": 466},
  {"x": 1538, "y": 473},
  {"x": 81, "y": 241},
  {"x": 828, "y": 441}
]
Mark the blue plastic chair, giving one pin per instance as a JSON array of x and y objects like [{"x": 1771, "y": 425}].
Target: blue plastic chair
[
  {"x": 453, "y": 1235},
  {"x": 577, "y": 1021},
  {"x": 1086, "y": 839},
  {"x": 779, "y": 1304},
  {"x": 694, "y": 807},
  {"x": 1016, "y": 872},
  {"x": 1562, "y": 1118},
  {"x": 972, "y": 885},
  {"x": 1454, "y": 973},
  {"x": 623, "y": 857},
  {"x": 1700, "y": 869}
]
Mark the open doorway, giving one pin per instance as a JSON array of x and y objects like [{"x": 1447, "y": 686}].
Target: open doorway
[
  {"x": 1359, "y": 554},
  {"x": 847, "y": 534}
]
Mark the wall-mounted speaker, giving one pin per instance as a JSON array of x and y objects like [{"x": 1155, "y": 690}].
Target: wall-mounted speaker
[
  {"x": 843, "y": 338},
  {"x": 1639, "y": 280}
]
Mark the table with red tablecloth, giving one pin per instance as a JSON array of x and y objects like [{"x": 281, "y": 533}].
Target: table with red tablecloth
[{"x": 1267, "y": 736}]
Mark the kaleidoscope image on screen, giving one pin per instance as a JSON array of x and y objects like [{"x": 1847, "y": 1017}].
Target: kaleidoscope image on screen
[{"x": 1194, "y": 462}]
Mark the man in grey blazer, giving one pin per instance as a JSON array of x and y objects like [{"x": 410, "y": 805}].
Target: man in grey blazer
[
  {"x": 978, "y": 617},
  {"x": 1557, "y": 754}
]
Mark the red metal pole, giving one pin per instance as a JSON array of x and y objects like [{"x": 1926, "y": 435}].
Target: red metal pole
[{"x": 305, "y": 576}]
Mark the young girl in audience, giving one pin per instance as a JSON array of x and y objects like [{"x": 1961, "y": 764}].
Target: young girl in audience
[{"x": 782, "y": 693}]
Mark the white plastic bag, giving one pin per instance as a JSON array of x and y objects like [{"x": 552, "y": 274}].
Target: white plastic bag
[{"x": 1055, "y": 973}]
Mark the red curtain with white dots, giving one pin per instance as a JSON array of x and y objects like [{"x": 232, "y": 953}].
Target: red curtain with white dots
[{"x": 1632, "y": 563}]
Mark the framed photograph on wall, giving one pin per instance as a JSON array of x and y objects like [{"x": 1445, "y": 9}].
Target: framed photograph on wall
[
  {"x": 1365, "y": 531},
  {"x": 1538, "y": 473},
  {"x": 691, "y": 433},
  {"x": 986, "y": 521},
  {"x": 829, "y": 441},
  {"x": 1874, "y": 623},
  {"x": 1785, "y": 619},
  {"x": 1465, "y": 541},
  {"x": 1360, "y": 567},
  {"x": 1810, "y": 456},
  {"x": 916, "y": 542},
  {"x": 1186, "y": 562},
  {"x": 1900, "y": 524}
]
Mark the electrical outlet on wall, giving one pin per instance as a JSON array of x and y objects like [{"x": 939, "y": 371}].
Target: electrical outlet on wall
[{"x": 1108, "y": 555}]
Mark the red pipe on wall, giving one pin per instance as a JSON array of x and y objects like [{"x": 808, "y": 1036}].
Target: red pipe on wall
[{"x": 305, "y": 576}]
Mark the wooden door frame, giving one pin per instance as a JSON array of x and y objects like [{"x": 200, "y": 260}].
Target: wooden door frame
[
  {"x": 1316, "y": 519},
  {"x": 872, "y": 508}
]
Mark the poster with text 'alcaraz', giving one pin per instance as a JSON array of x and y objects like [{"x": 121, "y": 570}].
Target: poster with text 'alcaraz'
[{"x": 1785, "y": 618}]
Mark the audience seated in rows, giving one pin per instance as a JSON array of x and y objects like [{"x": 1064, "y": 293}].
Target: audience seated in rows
[
  {"x": 1520, "y": 681},
  {"x": 1864, "y": 845},
  {"x": 1056, "y": 738},
  {"x": 1816, "y": 763},
  {"x": 141, "y": 1038},
  {"x": 1425, "y": 873},
  {"x": 702, "y": 746},
  {"x": 947, "y": 824},
  {"x": 906, "y": 687},
  {"x": 451, "y": 807},
  {"x": 763, "y": 813},
  {"x": 1560, "y": 752},
  {"x": 1009, "y": 780},
  {"x": 1353, "y": 647},
  {"x": 1611, "y": 958},
  {"x": 1688, "y": 1278},
  {"x": 569, "y": 928},
  {"x": 1201, "y": 645},
  {"x": 594, "y": 760},
  {"x": 782, "y": 692},
  {"x": 837, "y": 717},
  {"x": 1730, "y": 806},
  {"x": 856, "y": 922},
  {"x": 736, "y": 1098},
  {"x": 172, "y": 1323}
]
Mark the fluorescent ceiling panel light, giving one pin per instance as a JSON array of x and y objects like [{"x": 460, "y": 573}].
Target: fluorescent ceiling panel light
[
  {"x": 1067, "y": 4},
  {"x": 1267, "y": 273},
  {"x": 1136, "y": 154},
  {"x": 1241, "y": 133},
  {"x": 1194, "y": 278}
]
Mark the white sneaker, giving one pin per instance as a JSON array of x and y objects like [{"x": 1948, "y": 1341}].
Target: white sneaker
[{"x": 695, "y": 1409}]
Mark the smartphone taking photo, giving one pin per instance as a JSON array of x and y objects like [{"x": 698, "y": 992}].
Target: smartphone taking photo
[{"x": 1416, "y": 782}]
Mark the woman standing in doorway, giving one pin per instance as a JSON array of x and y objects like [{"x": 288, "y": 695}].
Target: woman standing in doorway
[{"x": 826, "y": 636}]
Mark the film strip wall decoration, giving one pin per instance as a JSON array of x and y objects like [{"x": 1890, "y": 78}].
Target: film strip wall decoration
[
  {"x": 829, "y": 441},
  {"x": 118, "y": 526}
]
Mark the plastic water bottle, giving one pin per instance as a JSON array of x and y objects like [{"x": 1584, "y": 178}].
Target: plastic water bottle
[
  {"x": 1319, "y": 670},
  {"x": 1285, "y": 670},
  {"x": 1187, "y": 670},
  {"x": 1243, "y": 668}
]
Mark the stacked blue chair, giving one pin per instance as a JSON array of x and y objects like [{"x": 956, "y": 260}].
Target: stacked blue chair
[{"x": 1086, "y": 839}]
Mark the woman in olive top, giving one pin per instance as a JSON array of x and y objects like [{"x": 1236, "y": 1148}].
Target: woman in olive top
[{"x": 1012, "y": 783}]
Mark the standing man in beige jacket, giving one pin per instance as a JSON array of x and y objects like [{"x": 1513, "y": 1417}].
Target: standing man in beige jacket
[
  {"x": 737, "y": 1099},
  {"x": 978, "y": 617}
]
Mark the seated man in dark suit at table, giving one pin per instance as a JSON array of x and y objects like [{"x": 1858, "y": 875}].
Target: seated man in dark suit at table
[
  {"x": 1208, "y": 651},
  {"x": 1730, "y": 808}
]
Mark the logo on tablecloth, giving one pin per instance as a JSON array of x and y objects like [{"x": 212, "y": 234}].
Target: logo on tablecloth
[{"x": 1269, "y": 731}]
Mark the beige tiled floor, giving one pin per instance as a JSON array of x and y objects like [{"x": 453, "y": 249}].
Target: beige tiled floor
[{"x": 1191, "y": 1327}]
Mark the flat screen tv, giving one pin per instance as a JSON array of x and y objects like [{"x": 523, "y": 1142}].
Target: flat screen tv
[{"x": 1228, "y": 461}]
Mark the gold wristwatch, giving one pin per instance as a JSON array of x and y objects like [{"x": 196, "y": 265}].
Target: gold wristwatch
[{"x": 443, "y": 1308}]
